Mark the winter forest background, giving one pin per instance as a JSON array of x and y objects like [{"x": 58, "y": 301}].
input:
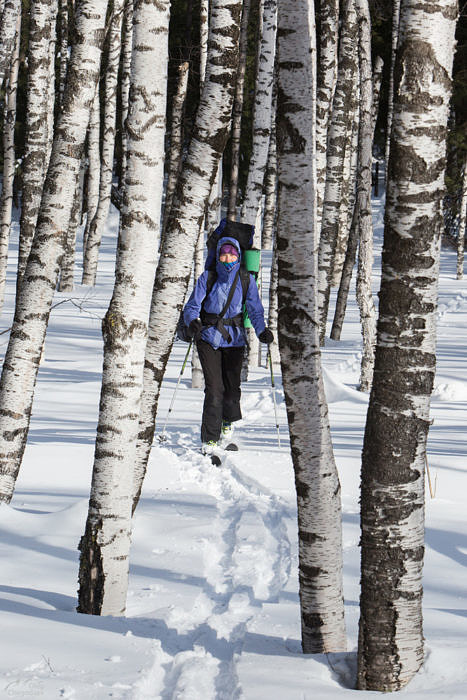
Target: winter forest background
[{"x": 131, "y": 566}]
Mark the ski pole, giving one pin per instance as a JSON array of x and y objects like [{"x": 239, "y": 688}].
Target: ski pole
[
  {"x": 274, "y": 396},
  {"x": 162, "y": 436}
]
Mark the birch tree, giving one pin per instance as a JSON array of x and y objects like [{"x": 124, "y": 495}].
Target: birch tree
[
  {"x": 461, "y": 234},
  {"x": 39, "y": 281},
  {"x": 341, "y": 108},
  {"x": 317, "y": 482},
  {"x": 94, "y": 235},
  {"x": 365, "y": 221},
  {"x": 94, "y": 165},
  {"x": 10, "y": 13},
  {"x": 105, "y": 544},
  {"x": 9, "y": 120},
  {"x": 396, "y": 8},
  {"x": 36, "y": 149},
  {"x": 390, "y": 649},
  {"x": 326, "y": 84},
  {"x": 194, "y": 186},
  {"x": 127, "y": 44},
  {"x": 63, "y": 16},
  {"x": 270, "y": 186}
]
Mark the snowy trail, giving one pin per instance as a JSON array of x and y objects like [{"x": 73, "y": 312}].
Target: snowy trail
[{"x": 246, "y": 562}]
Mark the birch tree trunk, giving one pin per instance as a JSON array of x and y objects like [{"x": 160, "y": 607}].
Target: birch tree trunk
[
  {"x": 94, "y": 237},
  {"x": 63, "y": 15},
  {"x": 365, "y": 220},
  {"x": 68, "y": 260},
  {"x": 9, "y": 120},
  {"x": 36, "y": 293},
  {"x": 377, "y": 78},
  {"x": 317, "y": 482},
  {"x": 461, "y": 234},
  {"x": 35, "y": 161},
  {"x": 326, "y": 84},
  {"x": 274, "y": 307},
  {"x": 396, "y": 8},
  {"x": 176, "y": 138},
  {"x": 237, "y": 113},
  {"x": 193, "y": 189},
  {"x": 270, "y": 185},
  {"x": 390, "y": 648},
  {"x": 94, "y": 165},
  {"x": 10, "y": 13},
  {"x": 127, "y": 43},
  {"x": 341, "y": 109},
  {"x": 203, "y": 40},
  {"x": 105, "y": 544},
  {"x": 262, "y": 115}
]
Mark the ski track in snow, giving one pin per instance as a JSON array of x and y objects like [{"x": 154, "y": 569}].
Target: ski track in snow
[{"x": 246, "y": 563}]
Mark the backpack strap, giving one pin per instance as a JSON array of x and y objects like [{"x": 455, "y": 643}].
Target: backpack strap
[
  {"x": 245, "y": 280},
  {"x": 217, "y": 320}
]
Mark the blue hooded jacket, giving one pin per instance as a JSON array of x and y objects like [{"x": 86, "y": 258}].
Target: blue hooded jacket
[{"x": 218, "y": 296}]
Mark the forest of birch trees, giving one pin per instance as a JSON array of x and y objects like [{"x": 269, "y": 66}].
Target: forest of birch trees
[{"x": 282, "y": 114}]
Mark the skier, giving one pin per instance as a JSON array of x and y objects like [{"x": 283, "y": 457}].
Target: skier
[{"x": 215, "y": 320}]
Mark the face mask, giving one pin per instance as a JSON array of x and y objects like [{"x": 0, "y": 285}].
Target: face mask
[{"x": 229, "y": 265}]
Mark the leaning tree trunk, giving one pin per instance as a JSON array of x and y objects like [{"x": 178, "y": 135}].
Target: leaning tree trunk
[
  {"x": 105, "y": 545},
  {"x": 237, "y": 114},
  {"x": 193, "y": 189},
  {"x": 94, "y": 165},
  {"x": 35, "y": 161},
  {"x": 317, "y": 482},
  {"x": 262, "y": 115},
  {"x": 10, "y": 12},
  {"x": 9, "y": 120},
  {"x": 67, "y": 268},
  {"x": 461, "y": 234},
  {"x": 390, "y": 649},
  {"x": 37, "y": 289},
  {"x": 396, "y": 8},
  {"x": 94, "y": 236},
  {"x": 365, "y": 221},
  {"x": 176, "y": 138},
  {"x": 326, "y": 84},
  {"x": 341, "y": 109}
]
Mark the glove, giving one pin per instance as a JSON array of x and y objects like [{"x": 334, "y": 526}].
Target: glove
[
  {"x": 195, "y": 328},
  {"x": 266, "y": 336}
]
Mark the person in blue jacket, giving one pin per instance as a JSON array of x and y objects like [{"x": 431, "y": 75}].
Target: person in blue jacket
[{"x": 221, "y": 341}]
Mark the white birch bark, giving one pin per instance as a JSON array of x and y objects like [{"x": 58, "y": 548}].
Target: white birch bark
[
  {"x": 270, "y": 187},
  {"x": 273, "y": 308},
  {"x": 203, "y": 40},
  {"x": 396, "y": 7},
  {"x": 341, "y": 109},
  {"x": 377, "y": 79},
  {"x": 127, "y": 43},
  {"x": 106, "y": 542},
  {"x": 176, "y": 139},
  {"x": 94, "y": 236},
  {"x": 67, "y": 269},
  {"x": 9, "y": 120},
  {"x": 37, "y": 289},
  {"x": 35, "y": 161},
  {"x": 51, "y": 84},
  {"x": 213, "y": 215},
  {"x": 237, "y": 113},
  {"x": 63, "y": 15},
  {"x": 10, "y": 12},
  {"x": 262, "y": 115},
  {"x": 193, "y": 189},
  {"x": 461, "y": 234},
  {"x": 326, "y": 84},
  {"x": 317, "y": 482},
  {"x": 94, "y": 165},
  {"x": 394, "y": 451},
  {"x": 365, "y": 301}
]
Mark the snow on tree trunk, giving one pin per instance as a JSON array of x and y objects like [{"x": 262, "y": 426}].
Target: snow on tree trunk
[
  {"x": 262, "y": 115},
  {"x": 106, "y": 542},
  {"x": 94, "y": 165},
  {"x": 317, "y": 482},
  {"x": 396, "y": 7},
  {"x": 365, "y": 221},
  {"x": 127, "y": 44},
  {"x": 176, "y": 138},
  {"x": 9, "y": 120},
  {"x": 461, "y": 234},
  {"x": 10, "y": 13},
  {"x": 37, "y": 289},
  {"x": 35, "y": 161},
  {"x": 393, "y": 463},
  {"x": 270, "y": 185},
  {"x": 326, "y": 84},
  {"x": 237, "y": 113},
  {"x": 341, "y": 109},
  {"x": 194, "y": 186},
  {"x": 94, "y": 236}
]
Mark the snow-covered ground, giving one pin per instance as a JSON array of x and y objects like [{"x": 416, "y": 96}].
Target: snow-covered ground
[{"x": 212, "y": 606}]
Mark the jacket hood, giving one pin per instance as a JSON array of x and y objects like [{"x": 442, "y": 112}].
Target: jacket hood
[{"x": 232, "y": 241}]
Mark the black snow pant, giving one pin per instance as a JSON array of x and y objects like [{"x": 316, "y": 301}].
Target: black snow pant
[{"x": 222, "y": 375}]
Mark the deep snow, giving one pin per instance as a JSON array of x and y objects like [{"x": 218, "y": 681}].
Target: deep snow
[{"x": 212, "y": 605}]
